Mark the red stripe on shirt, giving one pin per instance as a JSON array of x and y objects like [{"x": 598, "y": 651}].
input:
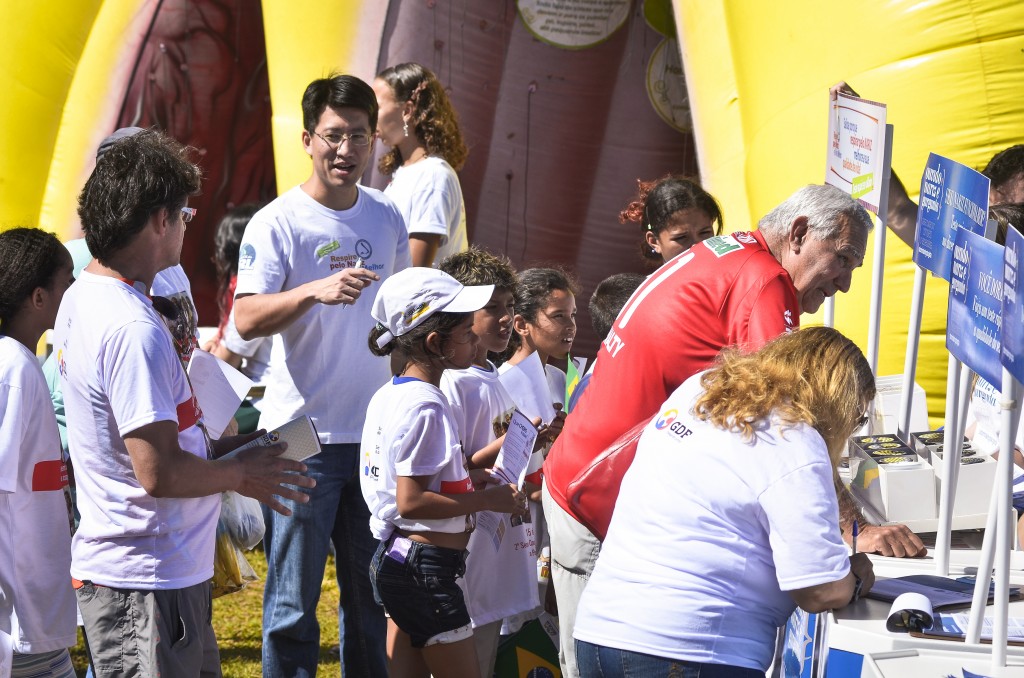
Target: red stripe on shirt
[
  {"x": 456, "y": 486},
  {"x": 188, "y": 414},
  {"x": 49, "y": 476}
]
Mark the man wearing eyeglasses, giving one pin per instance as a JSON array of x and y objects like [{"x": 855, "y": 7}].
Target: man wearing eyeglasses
[
  {"x": 149, "y": 481},
  {"x": 304, "y": 259}
]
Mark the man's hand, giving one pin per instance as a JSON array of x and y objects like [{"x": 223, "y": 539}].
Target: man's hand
[
  {"x": 343, "y": 287},
  {"x": 266, "y": 476},
  {"x": 841, "y": 88},
  {"x": 895, "y": 541}
]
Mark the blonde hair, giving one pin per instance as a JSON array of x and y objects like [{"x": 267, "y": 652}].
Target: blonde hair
[{"x": 815, "y": 376}]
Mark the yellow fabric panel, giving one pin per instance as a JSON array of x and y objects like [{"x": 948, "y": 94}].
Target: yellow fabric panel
[
  {"x": 90, "y": 111},
  {"x": 39, "y": 50},
  {"x": 758, "y": 75},
  {"x": 306, "y": 40}
]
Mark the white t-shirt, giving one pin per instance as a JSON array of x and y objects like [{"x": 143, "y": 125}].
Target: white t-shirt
[
  {"x": 410, "y": 431},
  {"x": 120, "y": 371},
  {"x": 984, "y": 411},
  {"x": 708, "y": 534},
  {"x": 37, "y": 603},
  {"x": 429, "y": 197},
  {"x": 326, "y": 370},
  {"x": 255, "y": 352},
  {"x": 482, "y": 409}
]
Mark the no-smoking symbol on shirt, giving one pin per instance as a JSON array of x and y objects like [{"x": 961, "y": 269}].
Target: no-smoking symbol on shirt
[{"x": 363, "y": 249}]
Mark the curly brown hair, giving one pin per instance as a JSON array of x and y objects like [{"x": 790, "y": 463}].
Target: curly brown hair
[
  {"x": 434, "y": 120},
  {"x": 815, "y": 376},
  {"x": 658, "y": 200}
]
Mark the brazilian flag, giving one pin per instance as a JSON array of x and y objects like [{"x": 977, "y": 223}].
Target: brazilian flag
[{"x": 530, "y": 653}]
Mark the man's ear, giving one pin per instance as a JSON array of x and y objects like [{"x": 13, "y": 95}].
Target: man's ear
[
  {"x": 798, "y": 233},
  {"x": 307, "y": 142},
  {"x": 161, "y": 220}
]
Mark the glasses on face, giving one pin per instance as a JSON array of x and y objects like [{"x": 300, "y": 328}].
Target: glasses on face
[
  {"x": 860, "y": 422},
  {"x": 188, "y": 214},
  {"x": 334, "y": 140}
]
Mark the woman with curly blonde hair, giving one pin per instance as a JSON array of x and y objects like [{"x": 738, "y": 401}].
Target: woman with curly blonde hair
[
  {"x": 727, "y": 519},
  {"x": 419, "y": 124}
]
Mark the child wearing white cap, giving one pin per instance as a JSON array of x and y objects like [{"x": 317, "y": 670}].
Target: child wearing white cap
[{"x": 414, "y": 473}]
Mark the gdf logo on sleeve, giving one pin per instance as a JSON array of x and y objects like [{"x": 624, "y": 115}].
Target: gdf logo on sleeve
[{"x": 668, "y": 420}]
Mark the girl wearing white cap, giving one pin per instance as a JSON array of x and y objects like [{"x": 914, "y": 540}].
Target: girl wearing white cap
[{"x": 414, "y": 475}]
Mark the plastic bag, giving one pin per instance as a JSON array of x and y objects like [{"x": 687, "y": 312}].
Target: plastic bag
[
  {"x": 242, "y": 518},
  {"x": 231, "y": 571}
]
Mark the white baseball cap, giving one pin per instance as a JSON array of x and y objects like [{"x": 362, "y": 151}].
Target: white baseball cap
[{"x": 409, "y": 297}]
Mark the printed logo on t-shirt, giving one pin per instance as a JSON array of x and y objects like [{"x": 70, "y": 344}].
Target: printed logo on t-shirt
[
  {"x": 49, "y": 476},
  {"x": 668, "y": 420},
  {"x": 363, "y": 249},
  {"x": 327, "y": 249},
  {"x": 61, "y": 366},
  {"x": 787, "y": 316},
  {"x": 746, "y": 238},
  {"x": 722, "y": 245},
  {"x": 246, "y": 257},
  {"x": 456, "y": 486}
]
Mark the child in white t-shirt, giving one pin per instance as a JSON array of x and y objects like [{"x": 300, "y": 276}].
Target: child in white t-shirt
[
  {"x": 415, "y": 478},
  {"x": 37, "y": 602},
  {"x": 482, "y": 408},
  {"x": 544, "y": 323}
]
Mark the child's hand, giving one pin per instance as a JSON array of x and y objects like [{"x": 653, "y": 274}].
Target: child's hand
[
  {"x": 548, "y": 434},
  {"x": 506, "y": 499},
  {"x": 481, "y": 477}
]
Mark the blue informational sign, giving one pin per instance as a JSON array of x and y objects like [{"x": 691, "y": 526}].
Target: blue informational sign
[
  {"x": 1012, "y": 353},
  {"x": 975, "y": 320},
  {"x": 953, "y": 196}
]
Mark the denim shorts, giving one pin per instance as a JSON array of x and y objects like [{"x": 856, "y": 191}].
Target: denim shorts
[{"x": 416, "y": 585}]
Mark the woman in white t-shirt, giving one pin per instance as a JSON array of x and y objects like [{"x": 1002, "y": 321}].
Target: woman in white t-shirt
[
  {"x": 419, "y": 124},
  {"x": 37, "y": 603},
  {"x": 415, "y": 478},
  {"x": 727, "y": 519}
]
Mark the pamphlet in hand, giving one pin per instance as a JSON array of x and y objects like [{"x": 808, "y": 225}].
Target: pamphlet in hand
[
  {"x": 514, "y": 455},
  {"x": 219, "y": 388},
  {"x": 300, "y": 434},
  {"x": 528, "y": 386}
]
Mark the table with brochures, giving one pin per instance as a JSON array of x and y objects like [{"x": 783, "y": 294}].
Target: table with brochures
[{"x": 860, "y": 645}]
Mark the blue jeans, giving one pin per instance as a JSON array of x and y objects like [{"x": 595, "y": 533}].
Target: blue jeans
[
  {"x": 296, "y": 548},
  {"x": 597, "y": 661}
]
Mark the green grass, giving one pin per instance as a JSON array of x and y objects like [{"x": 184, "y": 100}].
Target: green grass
[{"x": 237, "y": 620}]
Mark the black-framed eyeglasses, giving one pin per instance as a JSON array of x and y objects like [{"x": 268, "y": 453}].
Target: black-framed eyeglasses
[
  {"x": 335, "y": 139},
  {"x": 860, "y": 422},
  {"x": 188, "y": 214}
]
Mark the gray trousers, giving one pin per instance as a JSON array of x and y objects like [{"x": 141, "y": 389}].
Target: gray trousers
[
  {"x": 140, "y": 634},
  {"x": 574, "y": 552}
]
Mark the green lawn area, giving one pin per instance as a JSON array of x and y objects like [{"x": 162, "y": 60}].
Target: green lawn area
[{"x": 237, "y": 621}]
